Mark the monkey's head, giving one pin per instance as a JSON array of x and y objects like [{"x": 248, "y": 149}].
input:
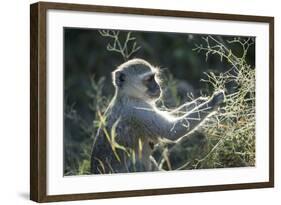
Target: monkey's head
[{"x": 137, "y": 79}]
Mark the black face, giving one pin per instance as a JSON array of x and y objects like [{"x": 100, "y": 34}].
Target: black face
[{"x": 153, "y": 88}]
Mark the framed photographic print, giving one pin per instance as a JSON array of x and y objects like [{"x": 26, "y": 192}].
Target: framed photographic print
[{"x": 133, "y": 102}]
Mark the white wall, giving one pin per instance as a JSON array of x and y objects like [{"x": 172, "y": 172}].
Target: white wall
[{"x": 14, "y": 103}]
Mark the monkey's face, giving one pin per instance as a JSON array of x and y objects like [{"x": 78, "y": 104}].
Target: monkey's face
[
  {"x": 143, "y": 86},
  {"x": 152, "y": 88},
  {"x": 137, "y": 79}
]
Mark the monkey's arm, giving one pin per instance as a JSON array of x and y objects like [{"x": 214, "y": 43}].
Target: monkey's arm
[
  {"x": 186, "y": 123},
  {"x": 164, "y": 125},
  {"x": 189, "y": 105}
]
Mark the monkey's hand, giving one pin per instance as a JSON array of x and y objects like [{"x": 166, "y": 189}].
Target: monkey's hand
[{"x": 217, "y": 99}]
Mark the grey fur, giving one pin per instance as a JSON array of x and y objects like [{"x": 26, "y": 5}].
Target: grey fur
[{"x": 137, "y": 119}]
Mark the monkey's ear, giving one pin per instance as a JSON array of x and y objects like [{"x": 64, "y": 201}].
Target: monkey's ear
[{"x": 118, "y": 78}]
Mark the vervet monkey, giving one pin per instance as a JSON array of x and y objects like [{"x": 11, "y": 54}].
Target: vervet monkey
[{"x": 136, "y": 121}]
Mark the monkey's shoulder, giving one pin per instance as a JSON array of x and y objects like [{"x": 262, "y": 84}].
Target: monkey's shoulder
[{"x": 124, "y": 112}]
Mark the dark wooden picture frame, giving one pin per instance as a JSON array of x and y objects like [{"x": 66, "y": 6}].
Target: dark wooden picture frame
[{"x": 38, "y": 101}]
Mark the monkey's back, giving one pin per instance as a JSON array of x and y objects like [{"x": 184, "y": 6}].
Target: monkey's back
[{"x": 128, "y": 134}]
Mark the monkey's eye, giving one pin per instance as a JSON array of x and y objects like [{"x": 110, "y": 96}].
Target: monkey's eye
[{"x": 150, "y": 78}]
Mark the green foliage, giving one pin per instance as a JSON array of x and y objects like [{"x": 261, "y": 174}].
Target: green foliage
[
  {"x": 77, "y": 155},
  {"x": 231, "y": 132}
]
